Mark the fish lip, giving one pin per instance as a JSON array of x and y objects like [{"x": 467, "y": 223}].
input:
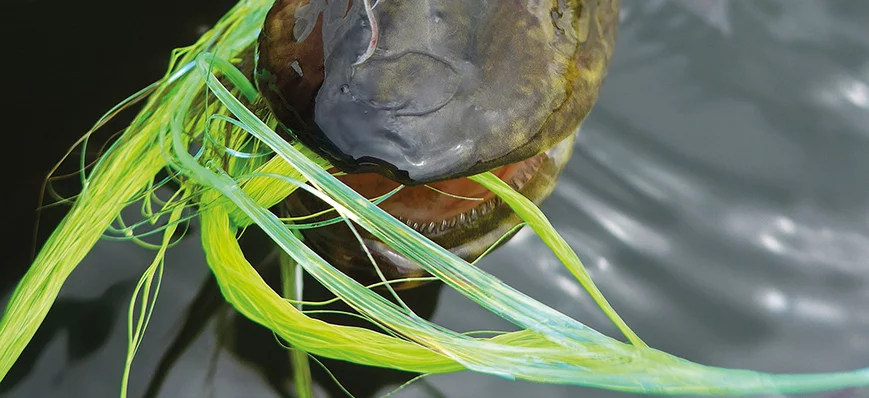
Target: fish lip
[
  {"x": 489, "y": 227},
  {"x": 466, "y": 239},
  {"x": 550, "y": 165}
]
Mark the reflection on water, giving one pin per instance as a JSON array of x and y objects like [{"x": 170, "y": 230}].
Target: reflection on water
[
  {"x": 85, "y": 324},
  {"x": 717, "y": 194}
]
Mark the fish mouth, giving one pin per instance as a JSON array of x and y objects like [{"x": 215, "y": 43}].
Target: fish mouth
[{"x": 459, "y": 215}]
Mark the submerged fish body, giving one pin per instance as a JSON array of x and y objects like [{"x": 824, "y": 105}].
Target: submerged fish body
[{"x": 428, "y": 92}]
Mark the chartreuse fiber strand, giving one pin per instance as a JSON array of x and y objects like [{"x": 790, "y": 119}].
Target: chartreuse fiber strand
[{"x": 204, "y": 124}]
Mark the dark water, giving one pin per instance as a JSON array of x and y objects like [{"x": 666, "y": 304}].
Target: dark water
[{"x": 717, "y": 195}]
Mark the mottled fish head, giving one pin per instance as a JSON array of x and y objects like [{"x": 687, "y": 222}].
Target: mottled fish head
[{"x": 425, "y": 93}]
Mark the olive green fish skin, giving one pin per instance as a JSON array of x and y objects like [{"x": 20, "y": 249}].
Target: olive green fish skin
[{"x": 454, "y": 87}]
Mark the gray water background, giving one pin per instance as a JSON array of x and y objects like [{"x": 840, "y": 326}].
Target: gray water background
[{"x": 717, "y": 194}]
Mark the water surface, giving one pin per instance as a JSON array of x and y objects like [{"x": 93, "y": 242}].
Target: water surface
[{"x": 717, "y": 193}]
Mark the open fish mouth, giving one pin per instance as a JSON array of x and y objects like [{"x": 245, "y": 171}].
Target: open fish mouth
[
  {"x": 459, "y": 215},
  {"x": 426, "y": 93}
]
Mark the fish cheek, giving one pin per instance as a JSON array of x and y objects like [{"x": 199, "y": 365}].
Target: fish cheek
[{"x": 290, "y": 69}]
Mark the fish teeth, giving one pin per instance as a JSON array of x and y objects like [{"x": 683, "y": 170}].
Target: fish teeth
[
  {"x": 487, "y": 207},
  {"x": 436, "y": 227},
  {"x": 538, "y": 160}
]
